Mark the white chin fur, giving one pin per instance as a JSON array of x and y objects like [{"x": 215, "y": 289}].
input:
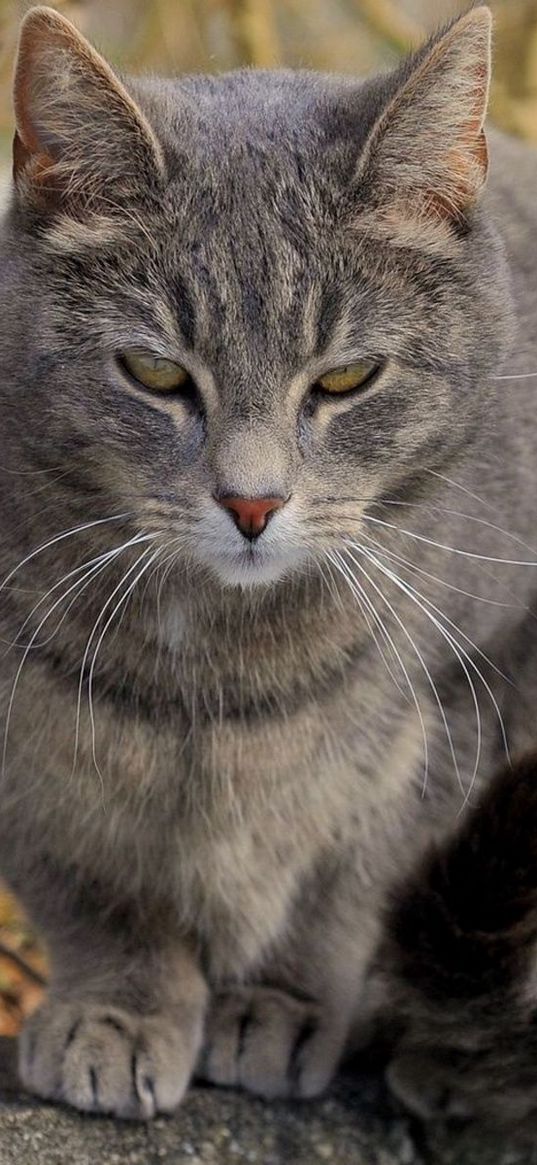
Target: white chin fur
[
  {"x": 252, "y": 571},
  {"x": 239, "y": 564}
]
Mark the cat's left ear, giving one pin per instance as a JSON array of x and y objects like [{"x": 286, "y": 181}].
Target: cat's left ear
[
  {"x": 79, "y": 133},
  {"x": 426, "y": 158}
]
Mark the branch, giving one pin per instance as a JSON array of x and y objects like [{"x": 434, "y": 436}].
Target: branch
[
  {"x": 254, "y": 32},
  {"x": 390, "y": 24}
]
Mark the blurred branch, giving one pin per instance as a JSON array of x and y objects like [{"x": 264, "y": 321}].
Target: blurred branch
[
  {"x": 387, "y": 21},
  {"x": 254, "y": 31},
  {"x": 514, "y": 93}
]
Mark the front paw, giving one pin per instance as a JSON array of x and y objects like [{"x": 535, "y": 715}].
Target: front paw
[
  {"x": 269, "y": 1043},
  {"x": 104, "y": 1059}
]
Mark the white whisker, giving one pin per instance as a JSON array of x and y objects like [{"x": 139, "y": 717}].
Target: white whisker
[
  {"x": 122, "y": 600},
  {"x": 430, "y": 507},
  {"x": 459, "y": 650},
  {"x": 464, "y": 489},
  {"x": 421, "y": 659},
  {"x": 516, "y": 376},
  {"x": 60, "y": 538},
  {"x": 490, "y": 662},
  {"x": 101, "y": 558},
  {"x": 107, "y": 604},
  {"x": 443, "y": 582},
  {"x": 77, "y": 584},
  {"x": 347, "y": 574},
  {"x": 367, "y": 608},
  {"x": 444, "y": 546}
]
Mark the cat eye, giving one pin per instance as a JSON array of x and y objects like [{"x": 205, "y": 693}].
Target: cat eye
[
  {"x": 155, "y": 372},
  {"x": 348, "y": 377}
]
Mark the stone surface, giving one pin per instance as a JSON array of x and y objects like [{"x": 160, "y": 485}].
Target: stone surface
[{"x": 356, "y": 1125}]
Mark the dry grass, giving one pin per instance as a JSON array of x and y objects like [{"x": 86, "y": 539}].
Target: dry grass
[{"x": 20, "y": 990}]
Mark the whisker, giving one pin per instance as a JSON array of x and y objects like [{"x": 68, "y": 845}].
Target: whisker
[
  {"x": 443, "y": 582},
  {"x": 166, "y": 567},
  {"x": 482, "y": 565},
  {"x": 416, "y": 596},
  {"x": 108, "y": 555},
  {"x": 401, "y": 664},
  {"x": 366, "y": 605},
  {"x": 83, "y": 666},
  {"x": 122, "y": 600},
  {"x": 444, "y": 546},
  {"x": 486, "y": 659},
  {"x": 516, "y": 376},
  {"x": 464, "y": 489},
  {"x": 432, "y": 508},
  {"x": 409, "y": 565},
  {"x": 424, "y": 666},
  {"x": 330, "y": 582},
  {"x": 79, "y": 587},
  {"x": 60, "y": 538},
  {"x": 457, "y": 650},
  {"x": 168, "y": 564},
  {"x": 78, "y": 582}
]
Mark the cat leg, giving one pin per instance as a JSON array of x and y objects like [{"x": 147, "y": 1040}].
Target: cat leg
[
  {"x": 121, "y": 1026},
  {"x": 285, "y": 1035},
  {"x": 460, "y": 962}
]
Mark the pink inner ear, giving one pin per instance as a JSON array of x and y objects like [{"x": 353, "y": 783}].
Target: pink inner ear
[
  {"x": 34, "y": 164},
  {"x": 468, "y": 162},
  {"x": 21, "y": 154},
  {"x": 29, "y": 156},
  {"x": 429, "y": 153},
  {"x": 467, "y": 166},
  {"x": 22, "y": 100},
  {"x": 56, "y": 122}
]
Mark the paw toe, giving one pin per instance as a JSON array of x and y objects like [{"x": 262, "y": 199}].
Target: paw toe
[
  {"x": 268, "y": 1043},
  {"x": 105, "y": 1060}
]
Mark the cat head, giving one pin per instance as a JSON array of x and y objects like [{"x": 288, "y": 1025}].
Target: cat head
[{"x": 242, "y": 308}]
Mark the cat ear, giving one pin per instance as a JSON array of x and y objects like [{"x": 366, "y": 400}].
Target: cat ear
[
  {"x": 427, "y": 158},
  {"x": 78, "y": 131}
]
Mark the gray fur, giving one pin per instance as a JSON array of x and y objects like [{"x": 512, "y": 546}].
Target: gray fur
[{"x": 250, "y": 785}]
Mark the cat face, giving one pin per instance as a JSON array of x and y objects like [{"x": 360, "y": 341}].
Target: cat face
[{"x": 260, "y": 303}]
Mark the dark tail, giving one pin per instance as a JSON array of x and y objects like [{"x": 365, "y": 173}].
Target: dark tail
[
  {"x": 468, "y": 924},
  {"x": 463, "y": 942}
]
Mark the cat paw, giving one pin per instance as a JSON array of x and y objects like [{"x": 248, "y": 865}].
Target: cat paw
[
  {"x": 104, "y": 1059},
  {"x": 269, "y": 1043},
  {"x": 428, "y": 1088}
]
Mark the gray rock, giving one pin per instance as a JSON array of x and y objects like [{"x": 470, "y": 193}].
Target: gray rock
[{"x": 356, "y": 1125}]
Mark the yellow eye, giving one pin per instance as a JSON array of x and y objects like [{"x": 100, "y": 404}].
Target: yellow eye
[
  {"x": 350, "y": 376},
  {"x": 155, "y": 372}
]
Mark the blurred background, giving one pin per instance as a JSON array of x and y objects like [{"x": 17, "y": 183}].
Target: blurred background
[{"x": 174, "y": 36}]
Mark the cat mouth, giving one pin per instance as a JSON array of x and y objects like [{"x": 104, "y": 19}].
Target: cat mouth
[
  {"x": 242, "y": 561},
  {"x": 253, "y": 565},
  {"x": 249, "y": 567}
]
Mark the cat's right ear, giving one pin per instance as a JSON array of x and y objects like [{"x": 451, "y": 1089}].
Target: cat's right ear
[
  {"x": 425, "y": 164},
  {"x": 79, "y": 134}
]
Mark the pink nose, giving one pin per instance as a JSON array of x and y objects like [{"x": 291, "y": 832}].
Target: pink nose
[{"x": 251, "y": 514}]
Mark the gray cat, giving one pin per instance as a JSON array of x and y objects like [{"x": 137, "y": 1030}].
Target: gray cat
[{"x": 269, "y": 445}]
